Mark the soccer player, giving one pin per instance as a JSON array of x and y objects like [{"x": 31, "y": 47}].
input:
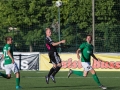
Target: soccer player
[
  {"x": 53, "y": 56},
  {"x": 9, "y": 62},
  {"x": 86, "y": 50}
]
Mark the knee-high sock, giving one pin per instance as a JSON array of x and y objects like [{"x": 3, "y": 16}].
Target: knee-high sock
[
  {"x": 79, "y": 73},
  {"x": 55, "y": 71},
  {"x": 96, "y": 79},
  {"x": 17, "y": 81},
  {"x": 3, "y": 75},
  {"x": 51, "y": 71}
]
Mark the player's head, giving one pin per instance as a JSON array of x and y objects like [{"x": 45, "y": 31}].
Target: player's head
[
  {"x": 89, "y": 38},
  {"x": 9, "y": 40},
  {"x": 48, "y": 32}
]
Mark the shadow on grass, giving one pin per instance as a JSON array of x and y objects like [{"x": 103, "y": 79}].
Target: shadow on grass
[
  {"x": 67, "y": 86},
  {"x": 76, "y": 87},
  {"x": 114, "y": 88},
  {"x": 97, "y": 88}
]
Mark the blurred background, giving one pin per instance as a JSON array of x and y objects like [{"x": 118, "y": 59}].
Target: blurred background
[{"x": 26, "y": 20}]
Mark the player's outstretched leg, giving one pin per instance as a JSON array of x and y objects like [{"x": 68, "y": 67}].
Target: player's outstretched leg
[
  {"x": 56, "y": 70},
  {"x": 98, "y": 82},
  {"x": 48, "y": 76},
  {"x": 79, "y": 73},
  {"x": 47, "y": 79},
  {"x": 53, "y": 79},
  {"x": 103, "y": 87},
  {"x": 69, "y": 73},
  {"x": 3, "y": 75}
]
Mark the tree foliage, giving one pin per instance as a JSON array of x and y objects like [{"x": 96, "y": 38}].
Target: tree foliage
[{"x": 31, "y": 17}]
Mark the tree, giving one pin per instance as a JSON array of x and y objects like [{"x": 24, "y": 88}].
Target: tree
[
  {"x": 106, "y": 25},
  {"x": 31, "y": 17},
  {"x": 26, "y": 15}
]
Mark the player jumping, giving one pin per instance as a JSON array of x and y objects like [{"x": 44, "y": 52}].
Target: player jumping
[{"x": 53, "y": 55}]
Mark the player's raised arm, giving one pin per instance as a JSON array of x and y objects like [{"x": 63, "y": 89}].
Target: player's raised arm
[{"x": 57, "y": 43}]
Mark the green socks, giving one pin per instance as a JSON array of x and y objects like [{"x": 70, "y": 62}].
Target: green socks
[
  {"x": 17, "y": 81},
  {"x": 3, "y": 75},
  {"x": 96, "y": 79},
  {"x": 79, "y": 73}
]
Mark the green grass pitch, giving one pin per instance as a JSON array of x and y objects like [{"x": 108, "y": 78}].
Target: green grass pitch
[{"x": 35, "y": 80}]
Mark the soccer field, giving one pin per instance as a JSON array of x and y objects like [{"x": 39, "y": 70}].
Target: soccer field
[{"x": 35, "y": 80}]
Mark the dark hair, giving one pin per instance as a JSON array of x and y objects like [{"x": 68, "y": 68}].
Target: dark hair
[
  {"x": 89, "y": 35},
  {"x": 8, "y": 38}
]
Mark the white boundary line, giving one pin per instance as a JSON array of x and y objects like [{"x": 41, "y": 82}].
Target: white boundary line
[{"x": 70, "y": 77}]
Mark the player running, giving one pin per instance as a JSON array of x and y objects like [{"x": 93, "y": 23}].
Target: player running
[
  {"x": 86, "y": 50},
  {"x": 53, "y": 55},
  {"x": 9, "y": 62}
]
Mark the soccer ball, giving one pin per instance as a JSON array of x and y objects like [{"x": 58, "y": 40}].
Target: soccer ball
[{"x": 58, "y": 3}]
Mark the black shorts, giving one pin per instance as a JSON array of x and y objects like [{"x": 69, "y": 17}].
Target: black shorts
[{"x": 54, "y": 57}]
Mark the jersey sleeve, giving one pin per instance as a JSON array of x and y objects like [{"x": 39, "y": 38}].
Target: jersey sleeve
[
  {"x": 49, "y": 40},
  {"x": 82, "y": 46},
  {"x": 8, "y": 47}
]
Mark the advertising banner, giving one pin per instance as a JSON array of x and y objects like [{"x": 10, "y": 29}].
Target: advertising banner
[
  {"x": 25, "y": 61},
  {"x": 107, "y": 62}
]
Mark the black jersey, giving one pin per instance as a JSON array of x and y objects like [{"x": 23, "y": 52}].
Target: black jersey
[{"x": 49, "y": 45}]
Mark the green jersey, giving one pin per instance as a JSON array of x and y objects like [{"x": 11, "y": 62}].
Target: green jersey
[
  {"x": 86, "y": 51},
  {"x": 7, "y": 59}
]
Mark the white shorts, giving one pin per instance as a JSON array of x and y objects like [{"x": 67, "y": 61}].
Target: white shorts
[
  {"x": 86, "y": 66},
  {"x": 11, "y": 67}
]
